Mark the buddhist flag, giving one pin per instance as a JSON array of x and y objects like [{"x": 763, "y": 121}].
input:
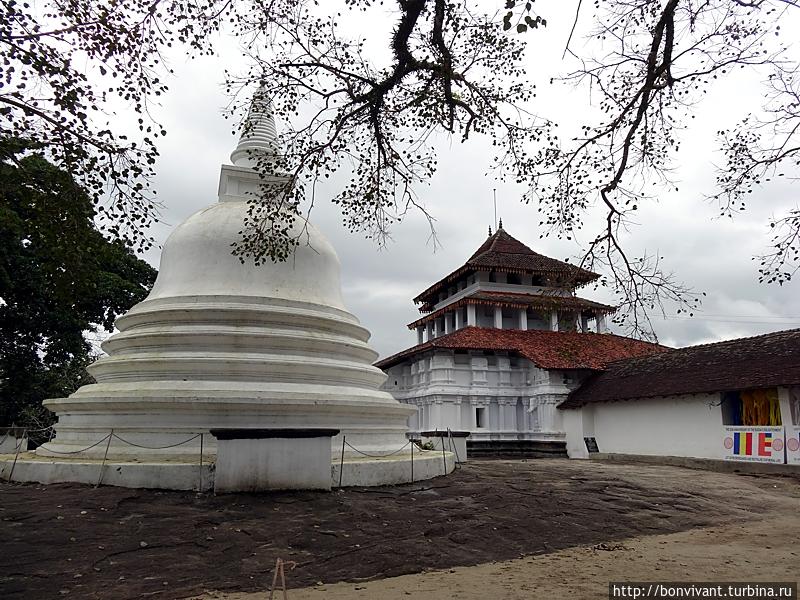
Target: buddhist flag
[
  {"x": 743, "y": 443},
  {"x": 765, "y": 443}
]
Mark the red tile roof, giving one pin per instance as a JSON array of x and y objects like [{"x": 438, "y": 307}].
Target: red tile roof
[
  {"x": 514, "y": 300},
  {"x": 503, "y": 252},
  {"x": 545, "y": 349},
  {"x": 748, "y": 363}
]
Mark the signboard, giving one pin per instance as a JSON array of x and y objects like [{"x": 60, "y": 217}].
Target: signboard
[
  {"x": 591, "y": 445},
  {"x": 753, "y": 444},
  {"x": 793, "y": 445}
]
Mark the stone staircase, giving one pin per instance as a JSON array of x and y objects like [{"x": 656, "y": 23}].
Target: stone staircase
[{"x": 516, "y": 449}]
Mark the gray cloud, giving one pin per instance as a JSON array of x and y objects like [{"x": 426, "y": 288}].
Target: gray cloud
[{"x": 709, "y": 254}]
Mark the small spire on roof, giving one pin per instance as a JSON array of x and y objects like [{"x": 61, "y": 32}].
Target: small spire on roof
[
  {"x": 490, "y": 231},
  {"x": 500, "y": 226}
]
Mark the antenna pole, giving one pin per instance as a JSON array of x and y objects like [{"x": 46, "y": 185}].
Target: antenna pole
[{"x": 494, "y": 191}]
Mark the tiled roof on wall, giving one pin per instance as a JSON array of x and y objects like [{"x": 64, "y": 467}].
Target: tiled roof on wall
[
  {"x": 545, "y": 349},
  {"x": 748, "y": 363}
]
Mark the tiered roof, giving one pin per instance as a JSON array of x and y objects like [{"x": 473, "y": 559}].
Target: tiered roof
[
  {"x": 748, "y": 363},
  {"x": 503, "y": 252},
  {"x": 545, "y": 349}
]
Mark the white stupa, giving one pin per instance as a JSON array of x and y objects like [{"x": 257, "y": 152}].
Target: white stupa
[{"x": 221, "y": 343}]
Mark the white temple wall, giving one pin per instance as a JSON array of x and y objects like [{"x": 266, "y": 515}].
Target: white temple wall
[
  {"x": 687, "y": 426},
  {"x": 510, "y": 396}
]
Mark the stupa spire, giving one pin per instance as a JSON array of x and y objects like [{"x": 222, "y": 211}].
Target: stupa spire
[{"x": 259, "y": 137}]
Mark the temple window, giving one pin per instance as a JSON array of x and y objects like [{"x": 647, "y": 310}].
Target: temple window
[
  {"x": 480, "y": 417},
  {"x": 513, "y": 279}
]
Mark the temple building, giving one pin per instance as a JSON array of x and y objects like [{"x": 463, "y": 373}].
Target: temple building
[{"x": 502, "y": 342}]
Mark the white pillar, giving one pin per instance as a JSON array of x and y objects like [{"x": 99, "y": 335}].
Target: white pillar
[
  {"x": 501, "y": 414},
  {"x": 488, "y": 413},
  {"x": 458, "y": 416},
  {"x": 437, "y": 327},
  {"x": 511, "y": 414},
  {"x": 459, "y": 318},
  {"x": 420, "y": 334},
  {"x": 553, "y": 320},
  {"x": 436, "y": 414},
  {"x": 473, "y": 404},
  {"x": 472, "y": 320},
  {"x": 498, "y": 317},
  {"x": 448, "y": 323},
  {"x": 523, "y": 318},
  {"x": 413, "y": 420},
  {"x": 429, "y": 330},
  {"x": 601, "y": 323},
  {"x": 785, "y": 401}
]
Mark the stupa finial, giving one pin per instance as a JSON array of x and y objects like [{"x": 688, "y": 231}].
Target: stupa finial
[
  {"x": 500, "y": 226},
  {"x": 490, "y": 231},
  {"x": 259, "y": 136}
]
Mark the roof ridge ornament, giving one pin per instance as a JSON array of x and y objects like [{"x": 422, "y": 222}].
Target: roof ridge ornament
[{"x": 500, "y": 226}]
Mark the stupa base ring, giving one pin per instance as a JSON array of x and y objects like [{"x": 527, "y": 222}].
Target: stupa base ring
[{"x": 182, "y": 475}]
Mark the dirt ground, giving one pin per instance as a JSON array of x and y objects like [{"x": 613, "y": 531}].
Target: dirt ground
[
  {"x": 762, "y": 550},
  {"x": 78, "y": 542}
]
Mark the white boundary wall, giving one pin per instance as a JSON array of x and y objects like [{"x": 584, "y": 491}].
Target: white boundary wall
[{"x": 688, "y": 426}]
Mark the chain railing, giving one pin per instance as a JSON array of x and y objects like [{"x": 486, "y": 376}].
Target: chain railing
[
  {"x": 108, "y": 438},
  {"x": 345, "y": 444},
  {"x": 414, "y": 447}
]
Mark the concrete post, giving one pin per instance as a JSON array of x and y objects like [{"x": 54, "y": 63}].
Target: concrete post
[
  {"x": 498, "y": 317},
  {"x": 472, "y": 320},
  {"x": 523, "y": 318},
  {"x": 553, "y": 320}
]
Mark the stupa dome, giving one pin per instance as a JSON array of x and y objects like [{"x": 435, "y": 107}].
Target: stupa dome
[{"x": 197, "y": 260}]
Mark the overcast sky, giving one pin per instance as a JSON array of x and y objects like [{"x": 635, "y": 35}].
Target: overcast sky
[{"x": 708, "y": 254}]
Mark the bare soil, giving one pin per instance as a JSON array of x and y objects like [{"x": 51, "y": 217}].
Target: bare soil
[
  {"x": 763, "y": 550},
  {"x": 65, "y": 541}
]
